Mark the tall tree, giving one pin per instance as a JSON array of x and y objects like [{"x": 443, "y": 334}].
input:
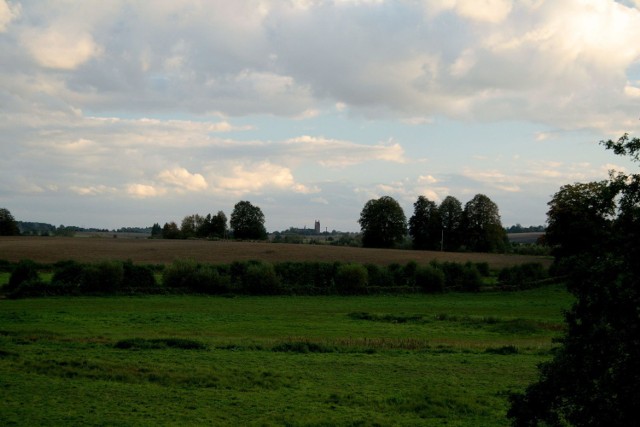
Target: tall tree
[
  {"x": 8, "y": 225},
  {"x": 450, "y": 211},
  {"x": 425, "y": 226},
  {"x": 219, "y": 225},
  {"x": 156, "y": 231},
  {"x": 594, "y": 377},
  {"x": 190, "y": 225},
  {"x": 482, "y": 228},
  {"x": 170, "y": 230},
  {"x": 247, "y": 221},
  {"x": 383, "y": 223}
]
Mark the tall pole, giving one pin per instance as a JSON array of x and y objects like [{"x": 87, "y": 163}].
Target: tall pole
[{"x": 442, "y": 241}]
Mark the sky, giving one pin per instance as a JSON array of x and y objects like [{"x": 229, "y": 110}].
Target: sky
[{"x": 127, "y": 113}]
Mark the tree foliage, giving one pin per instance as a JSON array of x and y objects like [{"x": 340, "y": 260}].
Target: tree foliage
[
  {"x": 450, "y": 211},
  {"x": 425, "y": 226},
  {"x": 482, "y": 226},
  {"x": 247, "y": 221},
  {"x": 8, "y": 225},
  {"x": 383, "y": 223},
  {"x": 593, "y": 379}
]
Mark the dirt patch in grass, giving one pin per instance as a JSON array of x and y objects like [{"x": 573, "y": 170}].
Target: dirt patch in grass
[{"x": 52, "y": 249}]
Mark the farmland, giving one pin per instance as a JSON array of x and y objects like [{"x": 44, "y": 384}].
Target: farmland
[
  {"x": 441, "y": 359},
  {"x": 49, "y": 250}
]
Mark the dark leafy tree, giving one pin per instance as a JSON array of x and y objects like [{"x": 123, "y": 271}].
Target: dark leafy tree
[
  {"x": 450, "y": 211},
  {"x": 579, "y": 217},
  {"x": 594, "y": 377},
  {"x": 8, "y": 225},
  {"x": 382, "y": 222},
  {"x": 170, "y": 230},
  {"x": 425, "y": 226},
  {"x": 247, "y": 221},
  {"x": 483, "y": 231},
  {"x": 190, "y": 225},
  {"x": 156, "y": 231},
  {"x": 218, "y": 225}
]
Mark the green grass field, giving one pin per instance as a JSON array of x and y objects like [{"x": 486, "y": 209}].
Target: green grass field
[{"x": 174, "y": 360}]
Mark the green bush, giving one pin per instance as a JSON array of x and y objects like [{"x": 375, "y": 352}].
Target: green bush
[
  {"x": 38, "y": 288},
  {"x": 138, "y": 277},
  {"x": 260, "y": 278},
  {"x": 24, "y": 271},
  {"x": 471, "y": 278},
  {"x": 409, "y": 273},
  {"x": 191, "y": 276},
  {"x": 483, "y": 268},
  {"x": 379, "y": 276},
  {"x": 6, "y": 266},
  {"x": 67, "y": 273},
  {"x": 103, "y": 277},
  {"x": 520, "y": 276},
  {"x": 351, "y": 279},
  {"x": 429, "y": 279},
  {"x": 460, "y": 277}
]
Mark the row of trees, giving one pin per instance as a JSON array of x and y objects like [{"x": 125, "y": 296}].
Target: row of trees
[
  {"x": 448, "y": 226},
  {"x": 247, "y": 222}
]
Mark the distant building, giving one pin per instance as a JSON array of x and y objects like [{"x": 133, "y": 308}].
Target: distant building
[{"x": 317, "y": 227}]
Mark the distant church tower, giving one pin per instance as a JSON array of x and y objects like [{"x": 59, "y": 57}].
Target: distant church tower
[{"x": 317, "y": 227}]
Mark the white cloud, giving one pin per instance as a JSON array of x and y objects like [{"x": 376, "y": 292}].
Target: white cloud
[
  {"x": 183, "y": 179},
  {"x": 492, "y": 11},
  {"x": 93, "y": 190},
  {"x": 255, "y": 177},
  {"x": 8, "y": 13},
  {"x": 340, "y": 153},
  {"x": 61, "y": 49},
  {"x": 143, "y": 191}
]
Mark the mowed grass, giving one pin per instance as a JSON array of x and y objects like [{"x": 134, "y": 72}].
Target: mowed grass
[
  {"x": 445, "y": 359},
  {"x": 52, "y": 249}
]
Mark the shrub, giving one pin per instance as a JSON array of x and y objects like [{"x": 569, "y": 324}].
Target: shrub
[
  {"x": 38, "y": 288},
  {"x": 102, "y": 277},
  {"x": 351, "y": 279},
  {"x": 519, "y": 276},
  {"x": 471, "y": 278},
  {"x": 68, "y": 273},
  {"x": 429, "y": 279},
  {"x": 378, "y": 276},
  {"x": 6, "y": 266},
  {"x": 138, "y": 276},
  {"x": 396, "y": 272},
  {"x": 483, "y": 268},
  {"x": 260, "y": 278},
  {"x": 188, "y": 275},
  {"x": 24, "y": 271},
  {"x": 462, "y": 277}
]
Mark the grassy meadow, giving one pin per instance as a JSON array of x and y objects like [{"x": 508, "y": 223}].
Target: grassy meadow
[{"x": 447, "y": 359}]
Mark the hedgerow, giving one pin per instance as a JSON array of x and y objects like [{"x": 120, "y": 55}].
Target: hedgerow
[{"x": 257, "y": 278}]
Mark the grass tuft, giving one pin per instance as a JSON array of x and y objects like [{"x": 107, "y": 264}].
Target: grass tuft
[{"x": 159, "y": 344}]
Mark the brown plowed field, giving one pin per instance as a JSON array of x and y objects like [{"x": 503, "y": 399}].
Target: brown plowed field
[{"x": 52, "y": 249}]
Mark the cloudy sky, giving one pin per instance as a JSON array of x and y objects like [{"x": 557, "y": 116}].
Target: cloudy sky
[{"x": 125, "y": 113}]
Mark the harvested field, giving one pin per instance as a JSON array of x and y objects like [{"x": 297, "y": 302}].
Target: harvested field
[{"x": 52, "y": 249}]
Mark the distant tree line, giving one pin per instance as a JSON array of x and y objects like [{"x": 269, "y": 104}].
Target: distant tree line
[
  {"x": 247, "y": 222},
  {"x": 448, "y": 226},
  {"x": 476, "y": 227},
  {"x": 518, "y": 228}
]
